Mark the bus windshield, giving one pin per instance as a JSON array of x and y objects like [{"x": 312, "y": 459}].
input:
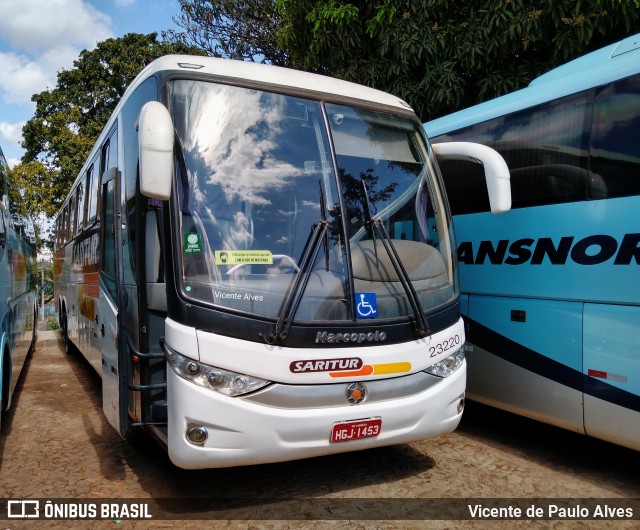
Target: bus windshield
[{"x": 273, "y": 187}]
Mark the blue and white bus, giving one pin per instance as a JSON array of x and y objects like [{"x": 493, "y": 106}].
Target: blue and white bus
[
  {"x": 551, "y": 290},
  {"x": 18, "y": 295}
]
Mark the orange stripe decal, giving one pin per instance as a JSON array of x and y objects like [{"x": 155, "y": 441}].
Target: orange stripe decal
[
  {"x": 391, "y": 368},
  {"x": 376, "y": 369},
  {"x": 367, "y": 369}
]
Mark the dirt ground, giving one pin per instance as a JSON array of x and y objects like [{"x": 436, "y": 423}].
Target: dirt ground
[{"x": 56, "y": 444}]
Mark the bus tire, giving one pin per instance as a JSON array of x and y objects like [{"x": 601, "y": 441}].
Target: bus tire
[
  {"x": 4, "y": 384},
  {"x": 137, "y": 436},
  {"x": 68, "y": 347},
  {"x": 34, "y": 338}
]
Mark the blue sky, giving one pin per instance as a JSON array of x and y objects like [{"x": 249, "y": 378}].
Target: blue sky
[{"x": 38, "y": 38}]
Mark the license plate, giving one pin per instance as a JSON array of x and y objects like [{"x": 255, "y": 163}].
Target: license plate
[{"x": 345, "y": 431}]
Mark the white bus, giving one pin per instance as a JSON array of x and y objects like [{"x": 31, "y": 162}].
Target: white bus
[
  {"x": 18, "y": 291},
  {"x": 260, "y": 264}
]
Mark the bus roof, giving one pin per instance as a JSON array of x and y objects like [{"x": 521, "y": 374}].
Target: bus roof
[
  {"x": 274, "y": 78},
  {"x": 259, "y": 76},
  {"x": 616, "y": 61}
]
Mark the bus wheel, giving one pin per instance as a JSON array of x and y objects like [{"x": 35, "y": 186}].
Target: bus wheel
[
  {"x": 4, "y": 394},
  {"x": 34, "y": 338},
  {"x": 68, "y": 347},
  {"x": 136, "y": 436}
]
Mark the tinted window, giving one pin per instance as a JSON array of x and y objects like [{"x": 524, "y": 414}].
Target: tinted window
[
  {"x": 545, "y": 147},
  {"x": 72, "y": 216},
  {"x": 3, "y": 231},
  {"x": 615, "y": 142},
  {"x": 93, "y": 187},
  {"x": 108, "y": 262},
  {"x": 80, "y": 206},
  {"x": 65, "y": 225}
]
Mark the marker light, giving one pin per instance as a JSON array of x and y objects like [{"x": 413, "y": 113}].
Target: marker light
[
  {"x": 447, "y": 366},
  {"x": 223, "y": 381}
]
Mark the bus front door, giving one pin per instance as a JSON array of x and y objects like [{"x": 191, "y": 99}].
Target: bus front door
[{"x": 113, "y": 303}]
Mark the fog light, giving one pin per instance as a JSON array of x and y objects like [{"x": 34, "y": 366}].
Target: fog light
[
  {"x": 461, "y": 404},
  {"x": 197, "y": 435}
]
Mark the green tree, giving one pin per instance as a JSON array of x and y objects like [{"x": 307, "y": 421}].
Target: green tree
[
  {"x": 233, "y": 29},
  {"x": 31, "y": 194},
  {"x": 69, "y": 118},
  {"x": 443, "y": 55}
]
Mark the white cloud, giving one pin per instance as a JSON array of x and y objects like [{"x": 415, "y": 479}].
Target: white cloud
[
  {"x": 13, "y": 162},
  {"x": 11, "y": 132},
  {"x": 125, "y": 3},
  {"x": 21, "y": 78},
  {"x": 45, "y": 38},
  {"x": 33, "y": 25}
]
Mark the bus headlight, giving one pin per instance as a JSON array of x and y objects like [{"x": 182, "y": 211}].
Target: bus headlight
[
  {"x": 223, "y": 381},
  {"x": 447, "y": 366}
]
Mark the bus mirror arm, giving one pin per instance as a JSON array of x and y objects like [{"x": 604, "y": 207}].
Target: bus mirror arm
[
  {"x": 155, "y": 140},
  {"x": 495, "y": 169}
]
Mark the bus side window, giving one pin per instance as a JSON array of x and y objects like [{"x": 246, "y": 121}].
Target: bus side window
[
  {"x": 110, "y": 151},
  {"x": 466, "y": 186},
  {"x": 72, "y": 216},
  {"x": 108, "y": 260},
  {"x": 93, "y": 193},
  {"x": 3, "y": 231},
  {"x": 545, "y": 148},
  {"x": 65, "y": 225},
  {"x": 56, "y": 236},
  {"x": 615, "y": 150},
  {"x": 80, "y": 207}
]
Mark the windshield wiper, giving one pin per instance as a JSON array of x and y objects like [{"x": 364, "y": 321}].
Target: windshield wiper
[
  {"x": 293, "y": 297},
  {"x": 376, "y": 225},
  {"x": 368, "y": 222}
]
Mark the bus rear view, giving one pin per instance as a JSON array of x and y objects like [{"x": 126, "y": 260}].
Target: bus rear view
[{"x": 288, "y": 268}]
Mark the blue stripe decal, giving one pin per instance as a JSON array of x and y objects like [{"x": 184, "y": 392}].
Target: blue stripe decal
[{"x": 535, "y": 362}]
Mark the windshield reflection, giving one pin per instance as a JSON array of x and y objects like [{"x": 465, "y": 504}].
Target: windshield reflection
[{"x": 254, "y": 171}]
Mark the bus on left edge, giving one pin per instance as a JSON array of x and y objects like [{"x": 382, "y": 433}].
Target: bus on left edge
[{"x": 18, "y": 291}]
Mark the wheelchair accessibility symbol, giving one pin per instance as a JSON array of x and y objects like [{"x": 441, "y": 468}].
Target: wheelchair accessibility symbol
[{"x": 366, "y": 305}]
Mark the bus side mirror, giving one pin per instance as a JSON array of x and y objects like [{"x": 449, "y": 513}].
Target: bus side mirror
[
  {"x": 496, "y": 170},
  {"x": 155, "y": 140}
]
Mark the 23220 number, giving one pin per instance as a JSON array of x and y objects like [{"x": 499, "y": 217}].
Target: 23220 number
[{"x": 445, "y": 345}]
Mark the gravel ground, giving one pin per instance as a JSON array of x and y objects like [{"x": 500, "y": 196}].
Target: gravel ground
[{"x": 56, "y": 443}]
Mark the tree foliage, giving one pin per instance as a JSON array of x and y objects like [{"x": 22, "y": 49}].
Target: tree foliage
[
  {"x": 69, "y": 118},
  {"x": 234, "y": 29},
  {"x": 30, "y": 193},
  {"x": 443, "y": 55}
]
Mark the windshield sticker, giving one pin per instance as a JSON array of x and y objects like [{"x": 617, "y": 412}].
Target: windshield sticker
[
  {"x": 192, "y": 243},
  {"x": 366, "y": 305},
  {"x": 244, "y": 257}
]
